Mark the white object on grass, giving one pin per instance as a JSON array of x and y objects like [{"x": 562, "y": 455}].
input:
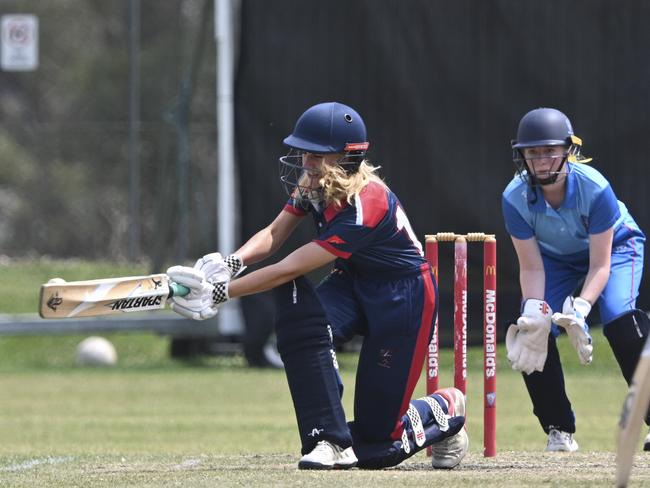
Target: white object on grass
[{"x": 96, "y": 351}]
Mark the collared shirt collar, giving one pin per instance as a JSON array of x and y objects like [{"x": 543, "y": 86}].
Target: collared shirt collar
[
  {"x": 332, "y": 210},
  {"x": 571, "y": 195},
  {"x": 537, "y": 203}
]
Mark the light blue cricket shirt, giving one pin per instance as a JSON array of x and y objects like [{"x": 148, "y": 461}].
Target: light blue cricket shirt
[{"x": 589, "y": 207}]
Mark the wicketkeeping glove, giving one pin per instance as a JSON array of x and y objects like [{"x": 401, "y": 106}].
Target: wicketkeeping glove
[
  {"x": 527, "y": 340},
  {"x": 199, "y": 303},
  {"x": 572, "y": 318}
]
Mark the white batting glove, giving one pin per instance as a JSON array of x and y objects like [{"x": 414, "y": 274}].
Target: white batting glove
[
  {"x": 220, "y": 293},
  {"x": 216, "y": 268},
  {"x": 198, "y": 304},
  {"x": 235, "y": 264},
  {"x": 573, "y": 317},
  {"x": 527, "y": 340}
]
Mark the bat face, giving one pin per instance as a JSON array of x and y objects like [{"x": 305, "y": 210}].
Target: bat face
[
  {"x": 61, "y": 299},
  {"x": 634, "y": 410}
]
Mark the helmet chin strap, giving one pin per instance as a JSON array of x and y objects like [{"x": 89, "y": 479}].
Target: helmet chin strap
[{"x": 544, "y": 181}]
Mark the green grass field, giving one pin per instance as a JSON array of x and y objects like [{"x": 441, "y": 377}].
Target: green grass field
[{"x": 155, "y": 422}]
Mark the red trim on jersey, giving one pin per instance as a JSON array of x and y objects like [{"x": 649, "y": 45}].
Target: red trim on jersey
[
  {"x": 421, "y": 346},
  {"x": 335, "y": 240},
  {"x": 293, "y": 210},
  {"x": 328, "y": 247},
  {"x": 374, "y": 201},
  {"x": 333, "y": 210}
]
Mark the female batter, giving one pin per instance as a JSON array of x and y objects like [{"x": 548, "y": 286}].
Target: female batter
[{"x": 380, "y": 287}]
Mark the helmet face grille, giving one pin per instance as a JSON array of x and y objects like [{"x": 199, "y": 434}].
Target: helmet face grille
[
  {"x": 304, "y": 184},
  {"x": 300, "y": 183},
  {"x": 526, "y": 170}
]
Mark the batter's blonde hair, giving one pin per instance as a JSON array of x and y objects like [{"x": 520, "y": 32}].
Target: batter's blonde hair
[{"x": 339, "y": 186}]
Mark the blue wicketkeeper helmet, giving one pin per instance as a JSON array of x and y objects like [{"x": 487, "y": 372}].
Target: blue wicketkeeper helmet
[{"x": 545, "y": 127}]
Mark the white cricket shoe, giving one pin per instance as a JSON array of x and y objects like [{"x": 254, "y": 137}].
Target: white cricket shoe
[
  {"x": 328, "y": 456},
  {"x": 559, "y": 440},
  {"x": 646, "y": 442},
  {"x": 448, "y": 453}
]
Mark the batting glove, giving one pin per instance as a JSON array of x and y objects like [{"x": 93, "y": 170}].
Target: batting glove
[
  {"x": 199, "y": 303},
  {"x": 216, "y": 268},
  {"x": 527, "y": 340},
  {"x": 220, "y": 293},
  {"x": 573, "y": 319},
  {"x": 235, "y": 264}
]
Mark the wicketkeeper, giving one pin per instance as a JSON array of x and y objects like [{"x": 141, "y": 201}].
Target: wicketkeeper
[
  {"x": 380, "y": 287},
  {"x": 577, "y": 246}
]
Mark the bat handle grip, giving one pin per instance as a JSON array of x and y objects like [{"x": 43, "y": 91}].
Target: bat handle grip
[{"x": 176, "y": 290}]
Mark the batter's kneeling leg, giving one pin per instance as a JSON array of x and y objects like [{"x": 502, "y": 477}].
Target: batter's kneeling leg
[
  {"x": 305, "y": 346},
  {"x": 426, "y": 423}
]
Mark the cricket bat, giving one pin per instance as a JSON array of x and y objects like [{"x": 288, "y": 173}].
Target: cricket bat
[
  {"x": 634, "y": 411},
  {"x": 70, "y": 299}
]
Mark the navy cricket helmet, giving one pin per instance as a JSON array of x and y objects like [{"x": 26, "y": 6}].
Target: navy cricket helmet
[
  {"x": 329, "y": 128},
  {"x": 325, "y": 128},
  {"x": 545, "y": 127}
]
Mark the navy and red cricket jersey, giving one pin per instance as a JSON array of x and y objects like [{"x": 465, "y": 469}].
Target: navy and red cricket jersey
[{"x": 382, "y": 288}]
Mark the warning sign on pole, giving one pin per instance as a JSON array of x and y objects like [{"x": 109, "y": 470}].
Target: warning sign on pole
[{"x": 19, "y": 39}]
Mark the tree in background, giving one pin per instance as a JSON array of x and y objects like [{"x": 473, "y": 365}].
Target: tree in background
[{"x": 64, "y": 130}]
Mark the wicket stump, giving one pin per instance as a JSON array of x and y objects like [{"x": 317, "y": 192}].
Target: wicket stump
[{"x": 460, "y": 324}]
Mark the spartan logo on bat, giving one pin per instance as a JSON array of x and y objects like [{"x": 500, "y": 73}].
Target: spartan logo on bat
[
  {"x": 136, "y": 302},
  {"x": 156, "y": 283},
  {"x": 54, "y": 301}
]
